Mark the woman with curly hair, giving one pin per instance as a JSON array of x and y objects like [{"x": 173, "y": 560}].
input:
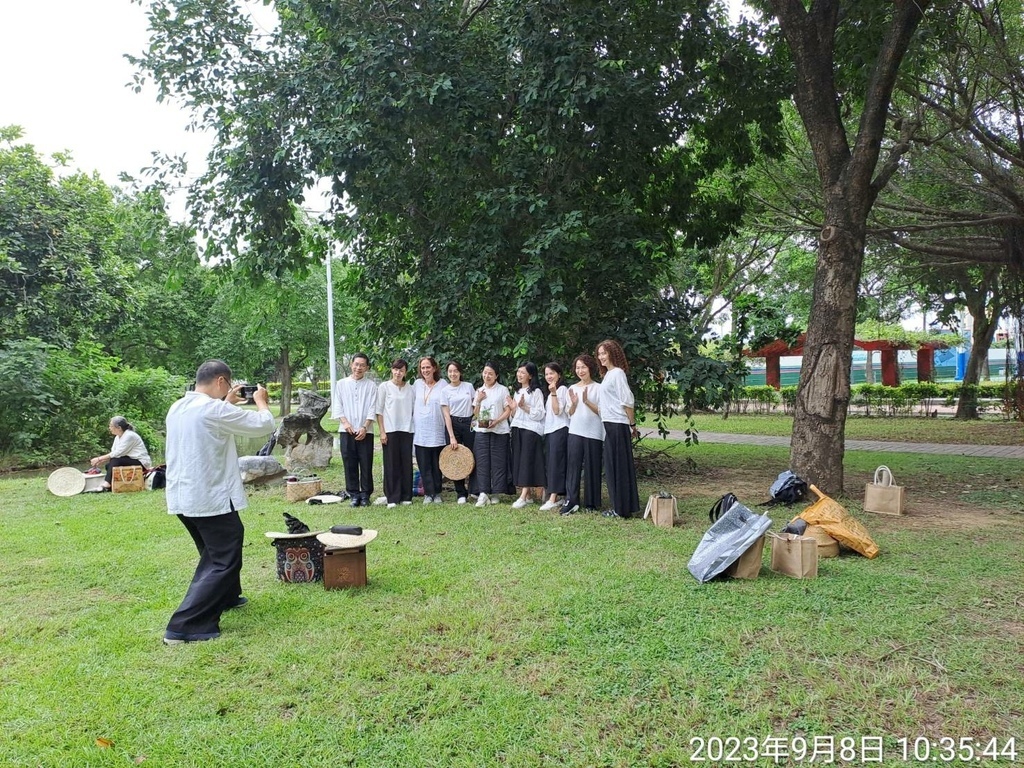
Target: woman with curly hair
[{"x": 619, "y": 420}]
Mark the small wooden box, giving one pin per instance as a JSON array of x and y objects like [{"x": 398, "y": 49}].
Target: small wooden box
[{"x": 344, "y": 568}]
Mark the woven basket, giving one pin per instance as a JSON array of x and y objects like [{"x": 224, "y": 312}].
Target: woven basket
[
  {"x": 66, "y": 481},
  {"x": 127, "y": 479},
  {"x": 300, "y": 490},
  {"x": 827, "y": 546},
  {"x": 456, "y": 464}
]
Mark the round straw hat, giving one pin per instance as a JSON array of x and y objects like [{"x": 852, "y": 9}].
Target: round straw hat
[
  {"x": 66, "y": 481},
  {"x": 456, "y": 464},
  {"x": 346, "y": 541},
  {"x": 827, "y": 546}
]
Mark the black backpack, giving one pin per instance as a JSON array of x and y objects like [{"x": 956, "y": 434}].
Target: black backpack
[
  {"x": 721, "y": 506},
  {"x": 787, "y": 489}
]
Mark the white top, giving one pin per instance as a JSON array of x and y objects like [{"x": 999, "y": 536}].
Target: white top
[
  {"x": 534, "y": 420},
  {"x": 494, "y": 402},
  {"x": 129, "y": 444},
  {"x": 459, "y": 399},
  {"x": 553, "y": 423},
  {"x": 203, "y": 479},
  {"x": 355, "y": 400},
  {"x": 583, "y": 421},
  {"x": 429, "y": 430},
  {"x": 394, "y": 403},
  {"x": 615, "y": 396}
]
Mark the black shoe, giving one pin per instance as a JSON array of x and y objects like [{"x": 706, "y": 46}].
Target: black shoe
[
  {"x": 567, "y": 510},
  {"x": 357, "y": 501},
  {"x": 610, "y": 513},
  {"x": 176, "y": 638},
  {"x": 242, "y": 600}
]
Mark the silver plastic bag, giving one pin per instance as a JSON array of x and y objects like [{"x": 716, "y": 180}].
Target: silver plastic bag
[{"x": 728, "y": 538}]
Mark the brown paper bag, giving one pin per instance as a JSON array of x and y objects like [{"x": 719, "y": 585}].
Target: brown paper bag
[
  {"x": 795, "y": 555},
  {"x": 749, "y": 564},
  {"x": 661, "y": 510},
  {"x": 883, "y": 496}
]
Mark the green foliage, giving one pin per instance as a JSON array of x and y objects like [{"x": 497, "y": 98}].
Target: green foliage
[{"x": 60, "y": 402}]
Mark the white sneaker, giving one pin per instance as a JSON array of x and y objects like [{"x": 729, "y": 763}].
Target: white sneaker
[
  {"x": 428, "y": 499},
  {"x": 380, "y": 501},
  {"x": 462, "y": 500},
  {"x": 548, "y": 505},
  {"x": 519, "y": 503},
  {"x": 406, "y": 503},
  {"x": 392, "y": 505},
  {"x": 437, "y": 499},
  {"x": 481, "y": 500},
  {"x": 494, "y": 499}
]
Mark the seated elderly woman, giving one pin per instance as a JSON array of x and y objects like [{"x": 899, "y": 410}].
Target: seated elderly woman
[{"x": 127, "y": 450}]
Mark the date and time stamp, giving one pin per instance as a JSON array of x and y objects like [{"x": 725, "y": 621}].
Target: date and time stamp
[{"x": 831, "y": 750}]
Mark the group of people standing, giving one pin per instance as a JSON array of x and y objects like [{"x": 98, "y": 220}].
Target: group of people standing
[{"x": 549, "y": 434}]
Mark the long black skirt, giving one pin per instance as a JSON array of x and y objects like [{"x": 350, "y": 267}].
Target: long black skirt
[
  {"x": 556, "y": 446},
  {"x": 619, "y": 470},
  {"x": 527, "y": 458}
]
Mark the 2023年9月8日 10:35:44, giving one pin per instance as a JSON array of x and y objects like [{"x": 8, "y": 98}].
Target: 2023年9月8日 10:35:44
[{"x": 864, "y": 750}]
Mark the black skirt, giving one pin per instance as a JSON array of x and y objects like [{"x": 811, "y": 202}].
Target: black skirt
[{"x": 527, "y": 458}]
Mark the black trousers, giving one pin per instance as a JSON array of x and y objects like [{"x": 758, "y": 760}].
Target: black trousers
[
  {"x": 119, "y": 461},
  {"x": 619, "y": 470},
  {"x": 583, "y": 457},
  {"x": 216, "y": 583},
  {"x": 527, "y": 458},
  {"x": 428, "y": 459},
  {"x": 357, "y": 458},
  {"x": 490, "y": 451},
  {"x": 462, "y": 426},
  {"x": 398, "y": 467},
  {"x": 556, "y": 445}
]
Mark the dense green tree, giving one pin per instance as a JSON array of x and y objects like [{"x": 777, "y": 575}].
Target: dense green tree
[{"x": 513, "y": 176}]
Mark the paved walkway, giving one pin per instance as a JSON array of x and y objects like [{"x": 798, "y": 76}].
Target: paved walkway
[{"x": 986, "y": 451}]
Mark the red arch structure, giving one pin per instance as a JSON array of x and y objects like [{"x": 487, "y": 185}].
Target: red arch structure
[{"x": 776, "y": 350}]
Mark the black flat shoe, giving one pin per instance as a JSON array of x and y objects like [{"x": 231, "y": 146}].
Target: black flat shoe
[
  {"x": 610, "y": 513},
  {"x": 567, "y": 510}
]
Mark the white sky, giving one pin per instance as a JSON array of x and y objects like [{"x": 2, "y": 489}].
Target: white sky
[{"x": 63, "y": 79}]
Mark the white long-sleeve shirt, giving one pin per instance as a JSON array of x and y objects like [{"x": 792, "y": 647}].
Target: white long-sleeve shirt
[
  {"x": 616, "y": 396},
  {"x": 534, "y": 420},
  {"x": 355, "y": 401},
  {"x": 203, "y": 479}
]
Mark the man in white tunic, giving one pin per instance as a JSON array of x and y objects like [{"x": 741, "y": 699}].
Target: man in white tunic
[
  {"x": 355, "y": 406},
  {"x": 204, "y": 489}
]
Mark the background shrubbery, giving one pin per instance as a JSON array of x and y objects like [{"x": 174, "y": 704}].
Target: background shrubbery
[{"x": 57, "y": 402}]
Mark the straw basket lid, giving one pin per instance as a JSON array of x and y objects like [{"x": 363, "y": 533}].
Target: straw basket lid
[
  {"x": 66, "y": 481},
  {"x": 278, "y": 535},
  {"x": 456, "y": 464},
  {"x": 346, "y": 541},
  {"x": 827, "y": 546}
]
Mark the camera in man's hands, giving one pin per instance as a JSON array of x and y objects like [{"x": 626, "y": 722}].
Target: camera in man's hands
[{"x": 248, "y": 391}]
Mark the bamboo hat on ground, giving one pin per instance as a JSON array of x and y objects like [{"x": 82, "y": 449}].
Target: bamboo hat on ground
[
  {"x": 456, "y": 464},
  {"x": 66, "y": 481}
]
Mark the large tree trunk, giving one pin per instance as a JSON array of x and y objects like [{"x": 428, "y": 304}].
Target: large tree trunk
[
  {"x": 823, "y": 395},
  {"x": 986, "y": 319}
]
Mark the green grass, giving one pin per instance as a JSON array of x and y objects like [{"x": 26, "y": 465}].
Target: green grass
[
  {"x": 987, "y": 431},
  {"x": 509, "y": 637}
]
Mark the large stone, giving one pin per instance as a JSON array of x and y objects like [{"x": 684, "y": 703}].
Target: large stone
[
  {"x": 259, "y": 469},
  {"x": 316, "y": 450}
]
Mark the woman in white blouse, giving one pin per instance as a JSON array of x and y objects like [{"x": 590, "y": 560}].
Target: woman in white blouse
[
  {"x": 430, "y": 435},
  {"x": 527, "y": 407},
  {"x": 127, "y": 450},
  {"x": 490, "y": 448},
  {"x": 394, "y": 419},
  {"x": 586, "y": 439},
  {"x": 556, "y": 432},
  {"x": 619, "y": 426},
  {"x": 457, "y": 409}
]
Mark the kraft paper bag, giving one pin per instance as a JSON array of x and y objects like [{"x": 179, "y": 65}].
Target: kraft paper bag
[
  {"x": 661, "y": 509},
  {"x": 794, "y": 555},
  {"x": 883, "y": 496},
  {"x": 748, "y": 566}
]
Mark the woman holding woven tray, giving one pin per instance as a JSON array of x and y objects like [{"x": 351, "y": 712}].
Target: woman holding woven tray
[
  {"x": 128, "y": 450},
  {"x": 457, "y": 409},
  {"x": 619, "y": 420},
  {"x": 527, "y": 424}
]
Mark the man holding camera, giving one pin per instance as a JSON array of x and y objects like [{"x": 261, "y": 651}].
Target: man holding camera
[{"x": 204, "y": 489}]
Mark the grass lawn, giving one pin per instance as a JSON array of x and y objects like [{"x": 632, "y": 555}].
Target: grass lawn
[
  {"x": 987, "y": 431},
  {"x": 502, "y": 637}
]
